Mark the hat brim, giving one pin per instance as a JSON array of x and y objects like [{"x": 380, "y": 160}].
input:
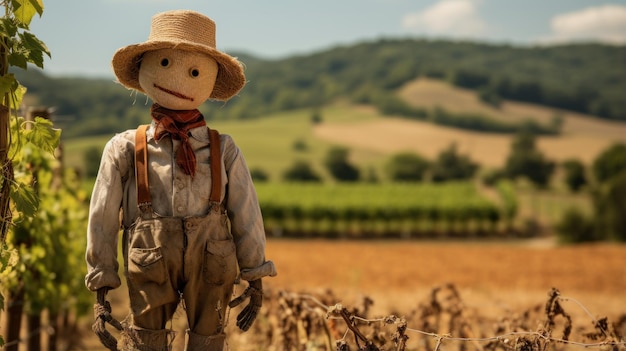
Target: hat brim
[{"x": 230, "y": 77}]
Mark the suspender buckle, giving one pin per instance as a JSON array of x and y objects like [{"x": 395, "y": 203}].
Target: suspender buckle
[{"x": 216, "y": 206}]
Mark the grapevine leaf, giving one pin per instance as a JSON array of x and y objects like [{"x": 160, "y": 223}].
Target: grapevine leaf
[
  {"x": 8, "y": 83},
  {"x": 18, "y": 95},
  {"x": 25, "y": 199},
  {"x": 8, "y": 260},
  {"x": 44, "y": 136},
  {"x": 18, "y": 59},
  {"x": 36, "y": 57},
  {"x": 34, "y": 47},
  {"x": 37, "y": 5},
  {"x": 5, "y": 257},
  {"x": 8, "y": 27},
  {"x": 31, "y": 42},
  {"x": 25, "y": 10},
  {"x": 5, "y": 83},
  {"x": 17, "y": 140}
]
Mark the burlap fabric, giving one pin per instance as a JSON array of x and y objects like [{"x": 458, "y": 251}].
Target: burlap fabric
[{"x": 181, "y": 30}]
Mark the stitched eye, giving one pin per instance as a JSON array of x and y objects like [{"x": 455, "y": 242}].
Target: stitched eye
[
  {"x": 165, "y": 62},
  {"x": 194, "y": 72}
]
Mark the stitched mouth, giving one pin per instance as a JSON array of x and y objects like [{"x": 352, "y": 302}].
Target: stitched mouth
[{"x": 171, "y": 92}]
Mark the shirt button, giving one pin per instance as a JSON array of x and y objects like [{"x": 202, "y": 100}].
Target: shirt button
[{"x": 180, "y": 208}]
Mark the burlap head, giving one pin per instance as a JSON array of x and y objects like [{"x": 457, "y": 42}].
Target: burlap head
[{"x": 184, "y": 30}]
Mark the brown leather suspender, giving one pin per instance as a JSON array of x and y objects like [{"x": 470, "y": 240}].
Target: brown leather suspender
[
  {"x": 144, "y": 199},
  {"x": 216, "y": 169}
]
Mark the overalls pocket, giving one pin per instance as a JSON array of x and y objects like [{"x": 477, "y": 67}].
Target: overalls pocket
[
  {"x": 220, "y": 262},
  {"x": 147, "y": 266}
]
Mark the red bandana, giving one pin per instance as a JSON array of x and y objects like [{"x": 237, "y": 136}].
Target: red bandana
[{"x": 177, "y": 124}]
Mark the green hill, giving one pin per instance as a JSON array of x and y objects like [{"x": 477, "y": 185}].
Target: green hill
[{"x": 586, "y": 78}]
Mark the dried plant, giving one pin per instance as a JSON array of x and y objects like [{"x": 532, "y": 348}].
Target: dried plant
[{"x": 305, "y": 321}]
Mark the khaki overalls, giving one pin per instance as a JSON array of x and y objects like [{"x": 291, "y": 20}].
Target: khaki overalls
[{"x": 169, "y": 258}]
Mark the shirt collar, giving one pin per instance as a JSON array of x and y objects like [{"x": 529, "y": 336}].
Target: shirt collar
[{"x": 199, "y": 133}]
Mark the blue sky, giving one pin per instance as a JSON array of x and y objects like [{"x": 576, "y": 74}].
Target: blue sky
[{"x": 82, "y": 35}]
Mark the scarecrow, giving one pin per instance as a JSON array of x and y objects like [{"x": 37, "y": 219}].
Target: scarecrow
[{"x": 182, "y": 195}]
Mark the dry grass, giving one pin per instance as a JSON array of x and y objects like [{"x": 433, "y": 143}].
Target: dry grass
[
  {"x": 497, "y": 282},
  {"x": 393, "y": 135}
]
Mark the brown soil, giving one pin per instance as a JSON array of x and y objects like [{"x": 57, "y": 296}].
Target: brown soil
[{"x": 489, "y": 268}]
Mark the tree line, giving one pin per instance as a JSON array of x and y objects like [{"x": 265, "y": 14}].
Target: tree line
[{"x": 391, "y": 105}]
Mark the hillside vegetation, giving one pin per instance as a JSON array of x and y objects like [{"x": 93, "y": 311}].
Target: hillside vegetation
[
  {"x": 382, "y": 98},
  {"x": 269, "y": 142},
  {"x": 582, "y": 136},
  {"x": 584, "y": 78}
]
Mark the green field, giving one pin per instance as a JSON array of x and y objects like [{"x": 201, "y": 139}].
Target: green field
[{"x": 374, "y": 210}]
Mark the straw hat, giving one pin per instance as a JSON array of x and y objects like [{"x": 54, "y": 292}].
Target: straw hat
[{"x": 184, "y": 30}]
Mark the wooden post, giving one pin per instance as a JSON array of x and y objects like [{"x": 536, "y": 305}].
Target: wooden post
[{"x": 15, "y": 297}]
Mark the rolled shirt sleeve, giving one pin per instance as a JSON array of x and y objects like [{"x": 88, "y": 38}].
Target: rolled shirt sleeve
[{"x": 104, "y": 218}]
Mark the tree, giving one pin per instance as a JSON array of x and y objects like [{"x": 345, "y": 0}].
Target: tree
[
  {"x": 407, "y": 166},
  {"x": 610, "y": 207},
  {"x": 489, "y": 96},
  {"x": 259, "y": 175},
  {"x": 450, "y": 165},
  {"x": 338, "y": 165},
  {"x": 575, "y": 177},
  {"x": 316, "y": 116},
  {"x": 576, "y": 227},
  {"x": 610, "y": 162},
  {"x": 299, "y": 145},
  {"x": 91, "y": 159},
  {"x": 301, "y": 171},
  {"x": 525, "y": 160}
]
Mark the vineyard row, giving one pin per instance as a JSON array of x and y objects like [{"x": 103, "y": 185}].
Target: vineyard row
[{"x": 377, "y": 210}]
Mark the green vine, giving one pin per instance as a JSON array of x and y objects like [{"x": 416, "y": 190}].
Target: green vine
[{"x": 18, "y": 48}]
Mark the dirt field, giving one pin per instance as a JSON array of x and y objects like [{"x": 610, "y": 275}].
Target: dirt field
[
  {"x": 496, "y": 278},
  {"x": 401, "y": 272}
]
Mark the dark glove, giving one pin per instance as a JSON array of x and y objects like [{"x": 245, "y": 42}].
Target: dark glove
[
  {"x": 249, "y": 313},
  {"x": 102, "y": 314}
]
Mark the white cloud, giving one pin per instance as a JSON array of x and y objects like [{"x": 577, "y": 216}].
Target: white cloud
[
  {"x": 449, "y": 18},
  {"x": 605, "y": 23}
]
